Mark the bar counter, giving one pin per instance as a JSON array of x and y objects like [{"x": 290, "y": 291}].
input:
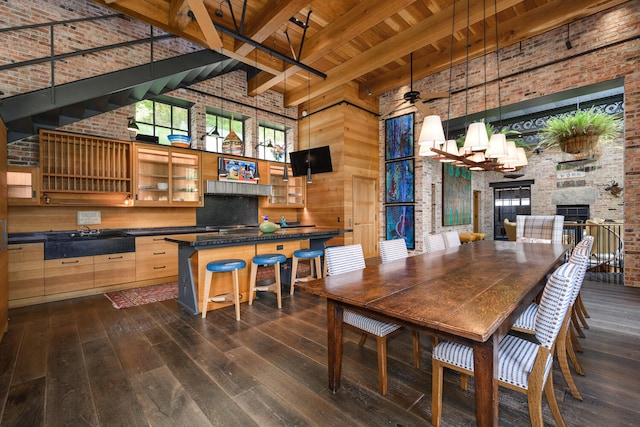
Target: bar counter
[{"x": 197, "y": 249}]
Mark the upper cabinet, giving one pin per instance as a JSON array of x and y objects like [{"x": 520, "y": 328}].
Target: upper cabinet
[
  {"x": 284, "y": 194},
  {"x": 166, "y": 176},
  {"x": 84, "y": 170},
  {"x": 22, "y": 186}
]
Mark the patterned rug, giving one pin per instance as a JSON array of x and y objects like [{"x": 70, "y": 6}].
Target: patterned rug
[{"x": 145, "y": 295}]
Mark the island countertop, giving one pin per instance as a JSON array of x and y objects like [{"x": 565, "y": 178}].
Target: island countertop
[{"x": 252, "y": 236}]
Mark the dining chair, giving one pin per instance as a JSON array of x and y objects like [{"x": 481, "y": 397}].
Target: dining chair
[
  {"x": 434, "y": 242},
  {"x": 523, "y": 365},
  {"x": 510, "y": 230},
  {"x": 451, "y": 239},
  {"x": 539, "y": 228},
  {"x": 392, "y": 250},
  {"x": 345, "y": 259}
]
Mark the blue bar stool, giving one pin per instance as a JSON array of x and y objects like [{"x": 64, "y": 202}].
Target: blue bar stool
[
  {"x": 313, "y": 255},
  {"x": 232, "y": 265},
  {"x": 266, "y": 259}
]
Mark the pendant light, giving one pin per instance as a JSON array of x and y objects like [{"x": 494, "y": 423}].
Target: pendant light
[
  {"x": 285, "y": 174},
  {"x": 431, "y": 133},
  {"x": 498, "y": 141},
  {"x": 309, "y": 180}
]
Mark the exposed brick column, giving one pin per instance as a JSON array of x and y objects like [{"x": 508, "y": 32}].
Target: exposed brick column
[{"x": 632, "y": 180}]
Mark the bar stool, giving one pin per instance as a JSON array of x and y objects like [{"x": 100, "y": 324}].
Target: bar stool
[
  {"x": 232, "y": 265},
  {"x": 313, "y": 255},
  {"x": 266, "y": 259}
]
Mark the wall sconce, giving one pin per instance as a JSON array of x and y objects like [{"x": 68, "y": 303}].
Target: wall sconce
[
  {"x": 46, "y": 199},
  {"x": 127, "y": 200},
  {"x": 132, "y": 125}
]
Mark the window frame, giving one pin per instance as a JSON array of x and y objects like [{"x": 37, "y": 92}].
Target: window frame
[{"x": 161, "y": 130}]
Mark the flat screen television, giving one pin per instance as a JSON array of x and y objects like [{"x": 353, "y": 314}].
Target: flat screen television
[{"x": 320, "y": 158}]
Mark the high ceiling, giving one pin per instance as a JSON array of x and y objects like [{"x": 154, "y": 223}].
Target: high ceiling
[{"x": 369, "y": 42}]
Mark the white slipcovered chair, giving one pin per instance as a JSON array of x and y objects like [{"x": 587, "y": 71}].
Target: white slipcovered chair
[
  {"x": 344, "y": 259},
  {"x": 451, "y": 239},
  {"x": 434, "y": 242},
  {"x": 392, "y": 250},
  {"x": 539, "y": 228},
  {"x": 523, "y": 366}
]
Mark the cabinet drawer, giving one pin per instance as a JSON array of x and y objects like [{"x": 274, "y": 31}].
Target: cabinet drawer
[
  {"x": 114, "y": 269},
  {"x": 26, "y": 270},
  {"x": 68, "y": 274},
  {"x": 155, "y": 258},
  {"x": 27, "y": 256},
  {"x": 286, "y": 248}
]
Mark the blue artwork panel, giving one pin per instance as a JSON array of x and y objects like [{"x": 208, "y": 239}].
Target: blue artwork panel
[
  {"x": 399, "y": 181},
  {"x": 400, "y": 224},
  {"x": 399, "y": 137}
]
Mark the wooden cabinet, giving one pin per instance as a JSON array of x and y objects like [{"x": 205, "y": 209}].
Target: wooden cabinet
[
  {"x": 68, "y": 274},
  {"x": 284, "y": 194},
  {"x": 22, "y": 186},
  {"x": 84, "y": 170},
  {"x": 167, "y": 176},
  {"x": 26, "y": 270},
  {"x": 156, "y": 258},
  {"x": 114, "y": 269}
]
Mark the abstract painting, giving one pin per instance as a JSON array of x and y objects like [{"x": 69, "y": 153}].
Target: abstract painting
[
  {"x": 398, "y": 137},
  {"x": 457, "y": 204},
  {"x": 399, "y": 181},
  {"x": 399, "y": 221}
]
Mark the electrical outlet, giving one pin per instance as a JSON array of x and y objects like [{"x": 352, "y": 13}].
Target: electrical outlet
[{"x": 89, "y": 218}]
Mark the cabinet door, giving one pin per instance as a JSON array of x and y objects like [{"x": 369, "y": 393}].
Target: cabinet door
[
  {"x": 114, "y": 269},
  {"x": 186, "y": 184},
  {"x": 152, "y": 176},
  {"x": 26, "y": 270},
  {"x": 285, "y": 194},
  {"x": 68, "y": 274},
  {"x": 22, "y": 186}
]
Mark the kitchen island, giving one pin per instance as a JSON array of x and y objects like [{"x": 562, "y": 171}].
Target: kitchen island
[{"x": 197, "y": 249}]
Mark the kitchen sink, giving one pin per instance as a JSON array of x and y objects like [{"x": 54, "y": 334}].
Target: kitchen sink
[{"x": 77, "y": 244}]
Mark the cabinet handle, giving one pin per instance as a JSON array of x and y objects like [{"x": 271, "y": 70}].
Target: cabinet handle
[
  {"x": 160, "y": 268},
  {"x": 4, "y": 235},
  {"x": 19, "y": 248},
  {"x": 159, "y": 253},
  {"x": 70, "y": 262},
  {"x": 116, "y": 257},
  {"x": 158, "y": 240}
]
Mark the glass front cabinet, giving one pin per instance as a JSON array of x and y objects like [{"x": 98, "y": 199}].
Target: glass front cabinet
[
  {"x": 167, "y": 176},
  {"x": 289, "y": 194}
]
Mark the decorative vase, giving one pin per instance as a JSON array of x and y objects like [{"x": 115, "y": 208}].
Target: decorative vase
[{"x": 267, "y": 226}]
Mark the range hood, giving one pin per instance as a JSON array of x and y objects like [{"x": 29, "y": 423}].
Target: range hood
[{"x": 237, "y": 188}]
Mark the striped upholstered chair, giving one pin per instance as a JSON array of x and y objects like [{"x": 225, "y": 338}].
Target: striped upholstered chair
[
  {"x": 451, "y": 239},
  {"x": 523, "y": 366},
  {"x": 344, "y": 259},
  {"x": 434, "y": 242},
  {"x": 392, "y": 250},
  {"x": 526, "y": 322},
  {"x": 539, "y": 228}
]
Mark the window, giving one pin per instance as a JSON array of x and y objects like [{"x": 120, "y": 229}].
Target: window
[
  {"x": 224, "y": 125},
  {"x": 163, "y": 117},
  {"x": 509, "y": 200},
  {"x": 271, "y": 142}
]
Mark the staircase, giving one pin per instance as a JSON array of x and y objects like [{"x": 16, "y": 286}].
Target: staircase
[{"x": 51, "y": 108}]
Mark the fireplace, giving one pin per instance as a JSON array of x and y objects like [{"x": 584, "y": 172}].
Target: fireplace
[{"x": 573, "y": 213}]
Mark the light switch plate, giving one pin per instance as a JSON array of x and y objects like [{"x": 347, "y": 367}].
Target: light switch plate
[{"x": 89, "y": 218}]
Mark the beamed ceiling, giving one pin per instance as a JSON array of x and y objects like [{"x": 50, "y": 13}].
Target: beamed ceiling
[{"x": 369, "y": 42}]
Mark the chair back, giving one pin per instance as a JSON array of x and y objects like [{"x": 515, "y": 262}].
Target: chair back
[
  {"x": 554, "y": 303},
  {"x": 343, "y": 259},
  {"x": 510, "y": 230},
  {"x": 451, "y": 239},
  {"x": 392, "y": 250},
  {"x": 540, "y": 228},
  {"x": 434, "y": 242},
  {"x": 580, "y": 257}
]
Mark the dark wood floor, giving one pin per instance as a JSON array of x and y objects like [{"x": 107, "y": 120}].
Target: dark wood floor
[{"x": 81, "y": 362}]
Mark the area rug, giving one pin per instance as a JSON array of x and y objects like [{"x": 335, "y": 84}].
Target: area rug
[{"x": 145, "y": 295}]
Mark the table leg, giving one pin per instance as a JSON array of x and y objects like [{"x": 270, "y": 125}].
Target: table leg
[
  {"x": 485, "y": 364},
  {"x": 334, "y": 344}
]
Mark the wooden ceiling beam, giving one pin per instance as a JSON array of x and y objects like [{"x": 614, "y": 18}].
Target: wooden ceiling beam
[
  {"x": 179, "y": 14},
  {"x": 206, "y": 23}
]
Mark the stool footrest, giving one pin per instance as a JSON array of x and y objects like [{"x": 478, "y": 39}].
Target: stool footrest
[{"x": 222, "y": 298}]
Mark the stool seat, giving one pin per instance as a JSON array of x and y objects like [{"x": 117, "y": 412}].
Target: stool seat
[
  {"x": 269, "y": 259},
  {"x": 225, "y": 265},
  {"x": 308, "y": 253},
  {"x": 222, "y": 266},
  {"x": 266, "y": 259}
]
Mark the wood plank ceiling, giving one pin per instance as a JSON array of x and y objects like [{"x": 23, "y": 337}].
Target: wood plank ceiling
[{"x": 369, "y": 42}]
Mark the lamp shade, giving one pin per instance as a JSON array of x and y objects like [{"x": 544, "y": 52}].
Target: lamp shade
[
  {"x": 522, "y": 158},
  {"x": 476, "y": 138},
  {"x": 512, "y": 154},
  {"x": 497, "y": 146},
  {"x": 431, "y": 135},
  {"x": 450, "y": 147}
]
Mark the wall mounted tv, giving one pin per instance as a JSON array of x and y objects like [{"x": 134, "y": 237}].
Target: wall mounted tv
[{"x": 320, "y": 158}]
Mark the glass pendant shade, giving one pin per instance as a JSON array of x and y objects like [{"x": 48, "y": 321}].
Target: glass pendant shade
[
  {"x": 476, "y": 138},
  {"x": 431, "y": 135},
  {"x": 449, "y": 147},
  {"x": 497, "y": 146}
]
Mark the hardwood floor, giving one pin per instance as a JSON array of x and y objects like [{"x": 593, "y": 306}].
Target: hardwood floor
[{"x": 81, "y": 362}]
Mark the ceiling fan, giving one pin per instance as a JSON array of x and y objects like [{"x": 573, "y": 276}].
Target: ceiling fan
[{"x": 413, "y": 97}]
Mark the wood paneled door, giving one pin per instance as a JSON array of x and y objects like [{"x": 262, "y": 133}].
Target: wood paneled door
[
  {"x": 4, "y": 277},
  {"x": 365, "y": 224}
]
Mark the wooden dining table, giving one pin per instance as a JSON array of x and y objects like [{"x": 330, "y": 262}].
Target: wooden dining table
[{"x": 471, "y": 294}]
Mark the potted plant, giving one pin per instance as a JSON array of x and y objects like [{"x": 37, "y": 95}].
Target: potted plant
[{"x": 580, "y": 131}]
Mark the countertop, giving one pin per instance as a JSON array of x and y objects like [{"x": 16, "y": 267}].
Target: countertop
[{"x": 252, "y": 235}]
